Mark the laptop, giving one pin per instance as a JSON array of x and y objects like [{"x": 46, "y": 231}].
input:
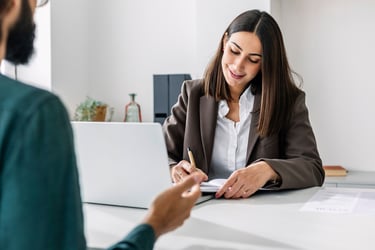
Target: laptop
[{"x": 123, "y": 164}]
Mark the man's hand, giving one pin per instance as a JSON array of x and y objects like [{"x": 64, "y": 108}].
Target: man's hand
[{"x": 172, "y": 207}]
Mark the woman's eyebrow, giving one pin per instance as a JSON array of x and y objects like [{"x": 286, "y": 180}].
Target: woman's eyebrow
[{"x": 250, "y": 54}]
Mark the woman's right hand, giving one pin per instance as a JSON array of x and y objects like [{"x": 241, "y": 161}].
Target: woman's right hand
[{"x": 183, "y": 169}]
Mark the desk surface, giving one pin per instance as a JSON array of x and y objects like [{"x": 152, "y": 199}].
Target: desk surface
[
  {"x": 267, "y": 220},
  {"x": 361, "y": 179}
]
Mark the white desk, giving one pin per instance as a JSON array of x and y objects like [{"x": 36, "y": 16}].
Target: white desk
[{"x": 264, "y": 221}]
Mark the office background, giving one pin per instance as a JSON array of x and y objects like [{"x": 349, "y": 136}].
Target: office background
[{"x": 109, "y": 48}]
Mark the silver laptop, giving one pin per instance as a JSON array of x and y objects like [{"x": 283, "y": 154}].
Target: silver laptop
[{"x": 119, "y": 163}]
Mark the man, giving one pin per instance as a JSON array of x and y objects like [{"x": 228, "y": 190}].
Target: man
[{"x": 40, "y": 203}]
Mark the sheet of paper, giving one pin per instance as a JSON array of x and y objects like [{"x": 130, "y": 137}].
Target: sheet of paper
[
  {"x": 342, "y": 200},
  {"x": 212, "y": 186}
]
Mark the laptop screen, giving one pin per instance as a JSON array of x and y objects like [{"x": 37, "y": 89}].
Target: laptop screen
[{"x": 121, "y": 163}]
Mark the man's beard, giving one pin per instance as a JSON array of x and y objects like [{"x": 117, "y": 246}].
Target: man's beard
[{"x": 20, "y": 43}]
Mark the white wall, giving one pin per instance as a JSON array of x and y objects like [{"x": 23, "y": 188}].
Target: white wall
[
  {"x": 126, "y": 42},
  {"x": 69, "y": 38},
  {"x": 331, "y": 44},
  {"x": 132, "y": 40}
]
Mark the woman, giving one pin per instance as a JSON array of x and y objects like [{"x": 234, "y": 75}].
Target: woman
[{"x": 246, "y": 120}]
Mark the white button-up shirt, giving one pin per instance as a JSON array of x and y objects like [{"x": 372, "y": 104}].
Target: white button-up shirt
[{"x": 231, "y": 138}]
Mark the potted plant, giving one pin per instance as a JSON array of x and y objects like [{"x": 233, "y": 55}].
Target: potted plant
[{"x": 90, "y": 110}]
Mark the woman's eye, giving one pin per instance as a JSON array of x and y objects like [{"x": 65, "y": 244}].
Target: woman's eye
[
  {"x": 234, "y": 52},
  {"x": 254, "y": 60}
]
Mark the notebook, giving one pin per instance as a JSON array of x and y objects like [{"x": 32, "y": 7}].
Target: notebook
[{"x": 124, "y": 164}]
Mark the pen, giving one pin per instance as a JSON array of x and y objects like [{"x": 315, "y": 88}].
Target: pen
[{"x": 192, "y": 161}]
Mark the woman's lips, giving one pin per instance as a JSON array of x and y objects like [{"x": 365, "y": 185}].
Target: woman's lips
[{"x": 235, "y": 76}]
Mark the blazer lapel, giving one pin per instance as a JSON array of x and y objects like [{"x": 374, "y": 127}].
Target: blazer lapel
[
  {"x": 208, "y": 115},
  {"x": 253, "y": 135}
]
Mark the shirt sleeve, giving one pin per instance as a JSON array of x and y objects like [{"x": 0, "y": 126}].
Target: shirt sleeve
[
  {"x": 141, "y": 237},
  {"x": 40, "y": 206}
]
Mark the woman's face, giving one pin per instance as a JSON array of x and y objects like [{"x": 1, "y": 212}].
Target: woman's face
[{"x": 241, "y": 60}]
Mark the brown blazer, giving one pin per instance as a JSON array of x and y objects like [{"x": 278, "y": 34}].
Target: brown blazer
[{"x": 293, "y": 154}]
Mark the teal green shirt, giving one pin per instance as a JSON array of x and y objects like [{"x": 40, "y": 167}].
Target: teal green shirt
[
  {"x": 141, "y": 237},
  {"x": 40, "y": 203}
]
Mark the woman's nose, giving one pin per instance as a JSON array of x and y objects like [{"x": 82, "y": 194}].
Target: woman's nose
[{"x": 239, "y": 63}]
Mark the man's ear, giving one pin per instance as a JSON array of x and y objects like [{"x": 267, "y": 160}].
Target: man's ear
[{"x": 11, "y": 12}]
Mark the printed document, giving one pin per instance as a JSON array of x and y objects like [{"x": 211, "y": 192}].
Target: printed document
[{"x": 342, "y": 200}]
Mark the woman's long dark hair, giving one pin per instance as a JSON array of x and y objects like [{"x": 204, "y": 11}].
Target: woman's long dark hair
[{"x": 275, "y": 80}]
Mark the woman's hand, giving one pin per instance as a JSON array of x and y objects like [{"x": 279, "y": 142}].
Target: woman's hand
[
  {"x": 246, "y": 181},
  {"x": 183, "y": 169}
]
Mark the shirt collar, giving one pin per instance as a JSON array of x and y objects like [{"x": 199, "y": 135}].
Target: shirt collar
[
  {"x": 223, "y": 108},
  {"x": 247, "y": 100},
  {"x": 246, "y": 103}
]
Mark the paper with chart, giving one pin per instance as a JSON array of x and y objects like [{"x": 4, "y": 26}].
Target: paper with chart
[{"x": 342, "y": 200}]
